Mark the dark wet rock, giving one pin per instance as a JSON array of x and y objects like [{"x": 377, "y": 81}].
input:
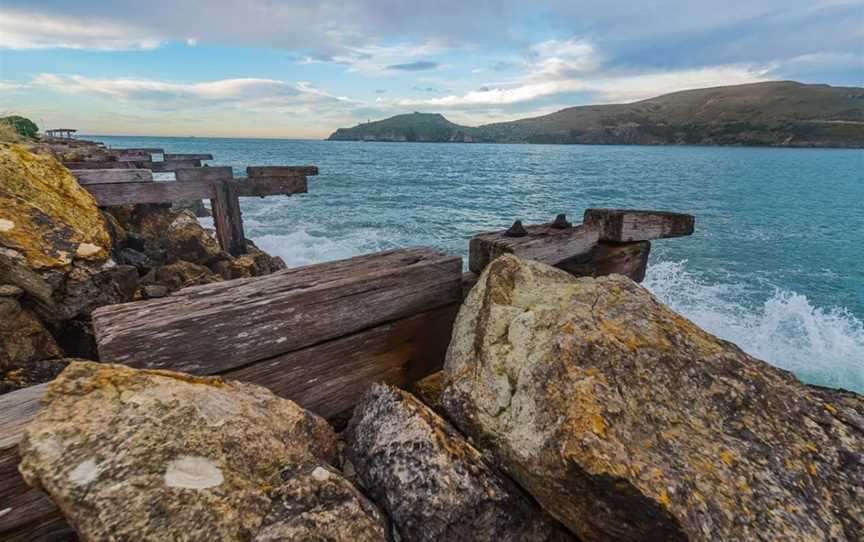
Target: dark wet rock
[
  {"x": 23, "y": 338},
  {"x": 139, "y": 260},
  {"x": 152, "y": 291},
  {"x": 30, "y": 373},
  {"x": 182, "y": 273},
  {"x": 75, "y": 337},
  {"x": 315, "y": 502},
  {"x": 628, "y": 422},
  {"x": 157, "y": 455},
  {"x": 431, "y": 481},
  {"x": 196, "y": 207},
  {"x": 185, "y": 239},
  {"x": 8, "y": 290}
]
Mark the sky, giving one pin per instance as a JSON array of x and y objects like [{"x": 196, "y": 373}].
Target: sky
[{"x": 301, "y": 69}]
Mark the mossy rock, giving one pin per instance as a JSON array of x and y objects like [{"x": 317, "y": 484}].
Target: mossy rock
[{"x": 45, "y": 214}]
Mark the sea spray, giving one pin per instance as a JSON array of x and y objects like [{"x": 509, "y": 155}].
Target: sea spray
[{"x": 824, "y": 347}]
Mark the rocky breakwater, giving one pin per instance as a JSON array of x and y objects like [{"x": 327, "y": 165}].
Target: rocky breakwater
[
  {"x": 627, "y": 422},
  {"x": 61, "y": 257}
]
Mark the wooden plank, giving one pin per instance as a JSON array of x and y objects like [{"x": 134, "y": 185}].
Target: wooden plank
[
  {"x": 21, "y": 507},
  {"x": 107, "y": 165},
  {"x": 103, "y": 176},
  {"x": 126, "y": 156},
  {"x": 167, "y": 166},
  {"x": 172, "y": 191},
  {"x": 156, "y": 192},
  {"x": 205, "y": 156},
  {"x": 228, "y": 219},
  {"x": 543, "y": 243},
  {"x": 142, "y": 150},
  {"x": 331, "y": 377},
  {"x": 277, "y": 171},
  {"x": 216, "y": 327},
  {"x": 628, "y": 225},
  {"x": 219, "y": 173},
  {"x": 628, "y": 259}
]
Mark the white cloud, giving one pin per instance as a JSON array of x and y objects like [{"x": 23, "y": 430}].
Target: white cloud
[
  {"x": 26, "y": 30},
  {"x": 564, "y": 58},
  {"x": 379, "y": 59}
]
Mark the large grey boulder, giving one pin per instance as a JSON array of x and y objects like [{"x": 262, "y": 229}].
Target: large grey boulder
[
  {"x": 628, "y": 422},
  {"x": 316, "y": 502},
  {"x": 157, "y": 455},
  {"x": 432, "y": 482}
]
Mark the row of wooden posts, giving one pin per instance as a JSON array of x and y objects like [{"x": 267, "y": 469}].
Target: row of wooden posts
[{"x": 128, "y": 179}]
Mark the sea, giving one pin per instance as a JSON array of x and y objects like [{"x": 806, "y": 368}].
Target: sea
[{"x": 776, "y": 264}]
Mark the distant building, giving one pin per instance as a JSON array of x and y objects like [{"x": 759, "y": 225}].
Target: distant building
[{"x": 61, "y": 133}]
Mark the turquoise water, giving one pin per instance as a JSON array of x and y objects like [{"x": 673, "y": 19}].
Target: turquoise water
[{"x": 776, "y": 264}]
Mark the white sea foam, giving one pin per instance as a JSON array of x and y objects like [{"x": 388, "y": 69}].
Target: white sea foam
[
  {"x": 304, "y": 246},
  {"x": 820, "y": 346}
]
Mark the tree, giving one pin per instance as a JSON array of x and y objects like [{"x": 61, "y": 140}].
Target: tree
[{"x": 24, "y": 126}]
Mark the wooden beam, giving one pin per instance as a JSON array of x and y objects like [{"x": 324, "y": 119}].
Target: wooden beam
[
  {"x": 544, "y": 243},
  {"x": 628, "y": 225},
  {"x": 217, "y": 327},
  {"x": 107, "y": 165},
  {"x": 108, "y": 195},
  {"x": 205, "y": 156},
  {"x": 166, "y": 166},
  {"x": 218, "y": 173},
  {"x": 125, "y": 156},
  {"x": 143, "y": 150},
  {"x": 278, "y": 171},
  {"x": 107, "y": 176},
  {"x": 628, "y": 259},
  {"x": 227, "y": 218},
  {"x": 331, "y": 377}
]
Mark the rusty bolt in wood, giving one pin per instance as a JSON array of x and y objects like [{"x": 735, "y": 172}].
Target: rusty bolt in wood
[
  {"x": 560, "y": 222},
  {"x": 516, "y": 230}
]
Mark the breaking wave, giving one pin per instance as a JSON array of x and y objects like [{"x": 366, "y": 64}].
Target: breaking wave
[{"x": 824, "y": 347}]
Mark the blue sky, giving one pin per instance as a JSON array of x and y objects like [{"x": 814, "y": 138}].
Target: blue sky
[{"x": 269, "y": 68}]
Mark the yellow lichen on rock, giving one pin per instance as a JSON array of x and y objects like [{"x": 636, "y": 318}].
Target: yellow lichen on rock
[{"x": 44, "y": 213}]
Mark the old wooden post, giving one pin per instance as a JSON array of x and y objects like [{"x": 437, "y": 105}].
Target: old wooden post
[{"x": 227, "y": 218}]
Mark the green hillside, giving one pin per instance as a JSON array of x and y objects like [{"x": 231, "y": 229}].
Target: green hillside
[{"x": 777, "y": 113}]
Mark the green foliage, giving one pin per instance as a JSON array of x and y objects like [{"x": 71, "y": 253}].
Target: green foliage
[{"x": 25, "y": 127}]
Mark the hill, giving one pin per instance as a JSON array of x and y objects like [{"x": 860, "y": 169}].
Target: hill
[{"x": 777, "y": 113}]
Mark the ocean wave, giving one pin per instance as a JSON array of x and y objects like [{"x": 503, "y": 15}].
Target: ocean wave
[
  {"x": 820, "y": 346},
  {"x": 306, "y": 245}
]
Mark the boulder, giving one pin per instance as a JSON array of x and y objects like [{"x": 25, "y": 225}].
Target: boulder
[
  {"x": 23, "y": 338},
  {"x": 157, "y": 455},
  {"x": 431, "y": 481},
  {"x": 182, "y": 273},
  {"x": 628, "y": 422},
  {"x": 315, "y": 502},
  {"x": 45, "y": 214},
  {"x": 185, "y": 239},
  {"x": 29, "y": 373}
]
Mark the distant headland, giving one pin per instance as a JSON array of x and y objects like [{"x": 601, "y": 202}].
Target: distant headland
[{"x": 776, "y": 113}]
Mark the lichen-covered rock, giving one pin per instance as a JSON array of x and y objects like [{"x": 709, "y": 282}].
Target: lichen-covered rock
[
  {"x": 26, "y": 374},
  {"x": 315, "y": 502},
  {"x": 23, "y": 338},
  {"x": 431, "y": 481},
  {"x": 45, "y": 214},
  {"x": 185, "y": 239},
  {"x": 182, "y": 273},
  {"x": 157, "y": 455},
  {"x": 628, "y": 422}
]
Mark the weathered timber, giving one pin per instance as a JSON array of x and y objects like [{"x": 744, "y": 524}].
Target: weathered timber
[
  {"x": 628, "y": 259},
  {"x": 126, "y": 156},
  {"x": 626, "y": 225},
  {"x": 170, "y": 191},
  {"x": 25, "y": 513},
  {"x": 166, "y": 166},
  {"x": 217, "y": 327},
  {"x": 228, "y": 218},
  {"x": 203, "y": 156},
  {"x": 277, "y": 171},
  {"x": 107, "y": 176},
  {"x": 543, "y": 243},
  {"x": 219, "y": 173},
  {"x": 108, "y": 165},
  {"x": 331, "y": 377},
  {"x": 142, "y": 150}
]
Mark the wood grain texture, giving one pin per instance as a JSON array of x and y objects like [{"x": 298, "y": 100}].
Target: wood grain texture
[
  {"x": 277, "y": 171},
  {"x": 629, "y": 225},
  {"x": 331, "y": 377},
  {"x": 143, "y": 150},
  {"x": 628, "y": 259},
  {"x": 127, "y": 156},
  {"x": 109, "y": 176},
  {"x": 228, "y": 218},
  {"x": 217, "y": 173},
  {"x": 166, "y": 166},
  {"x": 542, "y": 243},
  {"x": 191, "y": 156},
  {"x": 107, "y": 165},
  {"x": 170, "y": 191},
  {"x": 217, "y": 327}
]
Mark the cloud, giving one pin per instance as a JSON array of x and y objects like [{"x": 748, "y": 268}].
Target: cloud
[
  {"x": 240, "y": 92},
  {"x": 417, "y": 66},
  {"x": 563, "y": 58},
  {"x": 27, "y": 30}
]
